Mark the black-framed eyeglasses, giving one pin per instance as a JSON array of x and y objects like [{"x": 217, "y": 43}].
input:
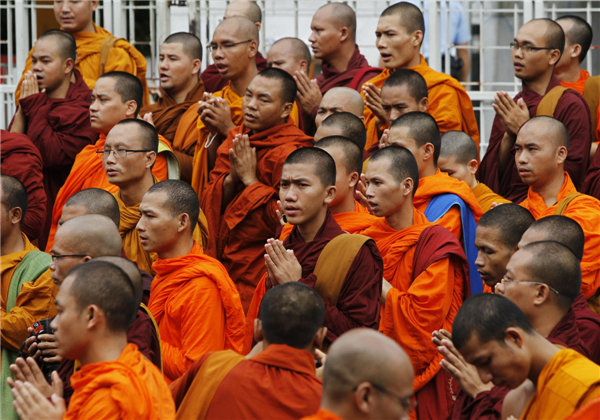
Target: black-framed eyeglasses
[
  {"x": 58, "y": 256},
  {"x": 226, "y": 45},
  {"x": 515, "y": 46},
  {"x": 406, "y": 402},
  {"x": 118, "y": 153},
  {"x": 508, "y": 279}
]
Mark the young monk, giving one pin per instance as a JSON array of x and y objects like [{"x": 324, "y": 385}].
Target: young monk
[
  {"x": 340, "y": 99},
  {"x": 77, "y": 18},
  {"x": 174, "y": 114},
  {"x": 535, "y": 51},
  {"x": 426, "y": 269},
  {"x": 185, "y": 277},
  {"x": 490, "y": 330},
  {"x": 578, "y": 39},
  {"x": 117, "y": 96},
  {"x": 351, "y": 291},
  {"x": 240, "y": 201},
  {"x": 27, "y": 289},
  {"x": 96, "y": 303},
  {"x": 366, "y": 376},
  {"x": 22, "y": 160},
  {"x": 459, "y": 159},
  {"x": 343, "y": 124},
  {"x": 279, "y": 382},
  {"x": 399, "y": 35}
]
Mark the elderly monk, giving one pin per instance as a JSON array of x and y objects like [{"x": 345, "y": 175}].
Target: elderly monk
[
  {"x": 340, "y": 99},
  {"x": 541, "y": 150},
  {"x": 343, "y": 124},
  {"x": 240, "y": 202},
  {"x": 279, "y": 382},
  {"x": 578, "y": 39},
  {"x": 536, "y": 49},
  {"x": 351, "y": 291},
  {"x": 186, "y": 277},
  {"x": 96, "y": 304},
  {"x": 366, "y": 376},
  {"x": 490, "y": 329},
  {"x": 117, "y": 96},
  {"x": 22, "y": 160},
  {"x": 211, "y": 77},
  {"x": 459, "y": 159},
  {"x": 399, "y": 35},
  {"x": 98, "y": 51},
  {"x": 27, "y": 289},
  {"x": 174, "y": 114},
  {"x": 53, "y": 112}
]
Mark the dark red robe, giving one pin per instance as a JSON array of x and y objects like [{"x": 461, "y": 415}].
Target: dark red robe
[
  {"x": 22, "y": 160},
  {"x": 573, "y": 111},
  {"x": 213, "y": 82},
  {"x": 588, "y": 323},
  {"x": 591, "y": 185},
  {"x": 331, "y": 77}
]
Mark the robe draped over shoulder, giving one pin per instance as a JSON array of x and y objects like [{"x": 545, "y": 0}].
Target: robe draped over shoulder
[
  {"x": 486, "y": 197},
  {"x": 579, "y": 85},
  {"x": 331, "y": 77}
]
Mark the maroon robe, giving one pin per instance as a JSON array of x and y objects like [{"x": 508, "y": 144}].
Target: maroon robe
[
  {"x": 588, "y": 323},
  {"x": 331, "y": 77},
  {"x": 591, "y": 185},
  {"x": 22, "y": 160},
  {"x": 59, "y": 128},
  {"x": 213, "y": 82},
  {"x": 573, "y": 111}
]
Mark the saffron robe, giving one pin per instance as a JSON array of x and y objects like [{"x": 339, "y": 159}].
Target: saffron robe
[
  {"x": 323, "y": 414},
  {"x": 449, "y": 104},
  {"x": 22, "y": 160},
  {"x": 130, "y": 387},
  {"x": 354, "y": 74},
  {"x": 278, "y": 383},
  {"x": 572, "y": 110},
  {"x": 585, "y": 210},
  {"x": 588, "y": 411},
  {"x": 358, "y": 304},
  {"x": 591, "y": 185},
  {"x": 567, "y": 382},
  {"x": 238, "y": 235},
  {"x": 429, "y": 273},
  {"x": 486, "y": 197},
  {"x": 579, "y": 85},
  {"x": 197, "y": 308},
  {"x": 213, "y": 82},
  {"x": 88, "y": 172}
]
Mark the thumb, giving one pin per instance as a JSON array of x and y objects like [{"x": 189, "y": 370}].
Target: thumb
[{"x": 522, "y": 103}]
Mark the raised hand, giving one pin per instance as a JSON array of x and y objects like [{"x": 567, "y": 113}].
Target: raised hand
[
  {"x": 242, "y": 158},
  {"x": 29, "y": 371},
  {"x": 512, "y": 114},
  {"x": 31, "y": 404},
  {"x": 280, "y": 214},
  {"x": 282, "y": 264},
  {"x": 148, "y": 118},
  {"x": 383, "y": 141},
  {"x": 29, "y": 86},
  {"x": 373, "y": 102},
  {"x": 309, "y": 94},
  {"x": 360, "y": 193}
]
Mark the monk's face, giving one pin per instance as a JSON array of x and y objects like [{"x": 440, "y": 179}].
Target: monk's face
[
  {"x": 232, "y": 59},
  {"x": 177, "y": 70},
  {"x": 345, "y": 178},
  {"x": 531, "y": 65},
  {"x": 281, "y": 56},
  {"x": 514, "y": 285},
  {"x": 465, "y": 173},
  {"x": 74, "y": 15},
  {"x": 385, "y": 195},
  {"x": 572, "y": 51},
  {"x": 492, "y": 254},
  {"x": 60, "y": 264},
  {"x": 48, "y": 64},
  {"x": 70, "y": 323},
  {"x": 262, "y": 105},
  {"x": 396, "y": 46},
  {"x": 107, "y": 107},
  {"x": 396, "y": 101},
  {"x": 157, "y": 227},
  {"x": 326, "y": 37}
]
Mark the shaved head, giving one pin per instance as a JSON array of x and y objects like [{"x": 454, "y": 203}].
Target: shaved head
[
  {"x": 243, "y": 28},
  {"x": 340, "y": 99},
  {"x": 458, "y": 145},
  {"x": 344, "y": 124},
  {"x": 548, "y": 128},
  {"x": 180, "y": 198},
  {"x": 510, "y": 222},
  {"x": 192, "y": 46},
  {"x": 422, "y": 128},
  {"x": 65, "y": 42},
  {"x": 410, "y": 16},
  {"x": 132, "y": 271},
  {"x": 294, "y": 46},
  {"x": 244, "y": 8},
  {"x": 13, "y": 194},
  {"x": 92, "y": 201},
  {"x": 415, "y": 83},
  {"x": 352, "y": 154},
  {"x": 401, "y": 163},
  {"x": 92, "y": 235},
  {"x": 558, "y": 228},
  {"x": 128, "y": 86},
  {"x": 578, "y": 32},
  {"x": 554, "y": 34},
  {"x": 322, "y": 163},
  {"x": 341, "y": 15}
]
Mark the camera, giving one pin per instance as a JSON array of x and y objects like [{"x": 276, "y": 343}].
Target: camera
[{"x": 42, "y": 326}]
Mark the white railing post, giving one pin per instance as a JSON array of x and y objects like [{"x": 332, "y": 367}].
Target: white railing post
[
  {"x": 539, "y": 9},
  {"x": 117, "y": 19},
  {"x": 21, "y": 38},
  {"x": 435, "y": 51},
  {"x": 163, "y": 21},
  {"x": 107, "y": 14},
  {"x": 527, "y": 10}
]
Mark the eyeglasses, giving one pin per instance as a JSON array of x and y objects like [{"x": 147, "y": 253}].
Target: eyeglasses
[
  {"x": 57, "y": 256},
  {"x": 527, "y": 48},
  {"x": 406, "y": 402},
  {"x": 508, "y": 279},
  {"x": 118, "y": 153},
  {"x": 226, "y": 45}
]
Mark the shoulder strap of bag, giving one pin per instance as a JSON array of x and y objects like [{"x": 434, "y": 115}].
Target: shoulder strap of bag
[{"x": 548, "y": 104}]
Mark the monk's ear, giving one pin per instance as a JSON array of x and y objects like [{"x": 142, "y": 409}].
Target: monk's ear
[
  {"x": 428, "y": 151},
  {"x": 354, "y": 178},
  {"x": 15, "y": 215},
  {"x": 131, "y": 108},
  {"x": 575, "y": 51},
  {"x": 68, "y": 66},
  {"x": 320, "y": 337},
  {"x": 184, "y": 222},
  {"x": 344, "y": 34},
  {"x": 408, "y": 186},
  {"x": 150, "y": 159},
  {"x": 93, "y": 314},
  {"x": 472, "y": 166},
  {"x": 196, "y": 66},
  {"x": 417, "y": 38},
  {"x": 561, "y": 155},
  {"x": 554, "y": 57},
  {"x": 252, "y": 49},
  {"x": 287, "y": 110},
  {"x": 542, "y": 295},
  {"x": 514, "y": 336},
  {"x": 258, "y": 331},
  {"x": 94, "y": 4},
  {"x": 424, "y": 104},
  {"x": 330, "y": 194},
  {"x": 304, "y": 66}
]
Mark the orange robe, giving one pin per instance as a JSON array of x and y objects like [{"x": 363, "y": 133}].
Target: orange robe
[
  {"x": 589, "y": 411},
  {"x": 323, "y": 414},
  {"x": 122, "y": 57},
  {"x": 585, "y": 210},
  {"x": 579, "y": 85},
  {"x": 449, "y": 104},
  {"x": 130, "y": 387},
  {"x": 486, "y": 197},
  {"x": 197, "y": 308},
  {"x": 567, "y": 382},
  {"x": 88, "y": 172}
]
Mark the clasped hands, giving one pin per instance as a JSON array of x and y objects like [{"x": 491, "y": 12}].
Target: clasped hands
[
  {"x": 242, "y": 161},
  {"x": 215, "y": 113},
  {"x": 282, "y": 265},
  {"x": 512, "y": 114},
  {"x": 29, "y": 86},
  {"x": 373, "y": 102},
  {"x": 309, "y": 94}
]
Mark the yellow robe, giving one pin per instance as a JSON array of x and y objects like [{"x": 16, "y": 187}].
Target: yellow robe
[{"x": 486, "y": 197}]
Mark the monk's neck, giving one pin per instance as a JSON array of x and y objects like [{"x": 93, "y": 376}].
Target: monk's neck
[
  {"x": 309, "y": 230},
  {"x": 180, "y": 96},
  {"x": 568, "y": 74},
  {"x": 13, "y": 242},
  {"x": 549, "y": 191},
  {"x": 427, "y": 170},
  {"x": 544, "y": 351},
  {"x": 254, "y": 132},
  {"x": 183, "y": 247},
  {"x": 61, "y": 91},
  {"x": 544, "y": 322},
  {"x": 104, "y": 349},
  {"x": 540, "y": 84},
  {"x": 345, "y": 206},
  {"x": 89, "y": 27},
  {"x": 413, "y": 62},
  {"x": 240, "y": 84},
  {"x": 402, "y": 218},
  {"x": 341, "y": 58},
  {"x": 133, "y": 192}
]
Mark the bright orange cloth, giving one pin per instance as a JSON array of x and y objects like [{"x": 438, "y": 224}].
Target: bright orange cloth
[
  {"x": 130, "y": 387},
  {"x": 449, "y": 104},
  {"x": 486, "y": 197},
  {"x": 323, "y": 414},
  {"x": 35, "y": 300},
  {"x": 122, "y": 57},
  {"x": 579, "y": 85},
  {"x": 88, "y": 172},
  {"x": 590, "y": 411},
  {"x": 197, "y": 308},
  {"x": 567, "y": 382},
  {"x": 585, "y": 210}
]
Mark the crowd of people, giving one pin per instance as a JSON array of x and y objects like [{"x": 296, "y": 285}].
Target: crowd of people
[{"x": 260, "y": 244}]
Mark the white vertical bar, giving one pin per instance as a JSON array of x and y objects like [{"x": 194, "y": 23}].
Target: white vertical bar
[
  {"x": 435, "y": 52},
  {"x": 163, "y": 21},
  {"x": 263, "y": 27},
  {"x": 539, "y": 9},
  {"x": 118, "y": 22},
  {"x": 12, "y": 76},
  {"x": 588, "y": 18},
  {"x": 21, "y": 35},
  {"x": 527, "y": 11},
  {"x": 107, "y": 13}
]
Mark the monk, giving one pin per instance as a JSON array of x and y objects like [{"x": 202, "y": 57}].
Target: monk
[
  {"x": 366, "y": 376},
  {"x": 340, "y": 99},
  {"x": 98, "y": 51},
  {"x": 490, "y": 330},
  {"x": 174, "y": 114},
  {"x": 22, "y": 160},
  {"x": 399, "y": 35},
  {"x": 27, "y": 289},
  {"x": 536, "y": 49},
  {"x": 234, "y": 46},
  {"x": 425, "y": 271},
  {"x": 289, "y": 54},
  {"x": 211, "y": 77},
  {"x": 352, "y": 292},
  {"x": 240, "y": 202},
  {"x": 591, "y": 185},
  {"x": 117, "y": 96},
  {"x": 278, "y": 382},
  {"x": 96, "y": 303},
  {"x": 541, "y": 150},
  {"x": 578, "y": 39},
  {"x": 343, "y": 124},
  {"x": 186, "y": 277},
  {"x": 459, "y": 159}
]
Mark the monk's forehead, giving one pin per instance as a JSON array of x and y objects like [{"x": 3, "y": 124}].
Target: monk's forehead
[
  {"x": 398, "y": 93},
  {"x": 47, "y": 46},
  {"x": 175, "y": 48},
  {"x": 125, "y": 135},
  {"x": 298, "y": 170},
  {"x": 533, "y": 32},
  {"x": 105, "y": 85}
]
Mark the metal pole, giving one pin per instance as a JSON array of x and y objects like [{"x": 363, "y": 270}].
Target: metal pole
[
  {"x": 21, "y": 41},
  {"x": 118, "y": 30},
  {"x": 107, "y": 13},
  {"x": 435, "y": 52},
  {"x": 163, "y": 13}
]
